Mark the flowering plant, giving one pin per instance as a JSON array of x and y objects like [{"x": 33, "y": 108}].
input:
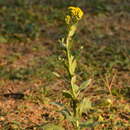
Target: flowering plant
[{"x": 78, "y": 102}]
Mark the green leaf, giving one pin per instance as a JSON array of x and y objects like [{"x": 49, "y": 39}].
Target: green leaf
[
  {"x": 57, "y": 104},
  {"x": 75, "y": 87},
  {"x": 62, "y": 43},
  {"x": 84, "y": 84},
  {"x": 67, "y": 115},
  {"x": 75, "y": 90},
  {"x": 72, "y": 30},
  {"x": 88, "y": 124},
  {"x": 56, "y": 74},
  {"x": 73, "y": 66},
  {"x": 52, "y": 127},
  {"x": 67, "y": 94},
  {"x": 71, "y": 58},
  {"x": 84, "y": 106},
  {"x": 73, "y": 80}
]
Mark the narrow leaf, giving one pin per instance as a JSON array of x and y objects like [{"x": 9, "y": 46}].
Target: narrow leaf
[
  {"x": 67, "y": 94},
  {"x": 67, "y": 115},
  {"x": 89, "y": 124},
  {"x": 84, "y": 106},
  {"x": 75, "y": 89},
  {"x": 74, "y": 65},
  {"x": 57, "y": 104},
  {"x": 84, "y": 84},
  {"x": 73, "y": 80}
]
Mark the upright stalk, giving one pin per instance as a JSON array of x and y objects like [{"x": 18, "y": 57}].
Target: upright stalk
[{"x": 77, "y": 103}]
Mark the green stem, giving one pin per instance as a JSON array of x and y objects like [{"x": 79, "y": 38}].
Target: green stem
[
  {"x": 68, "y": 59},
  {"x": 74, "y": 100}
]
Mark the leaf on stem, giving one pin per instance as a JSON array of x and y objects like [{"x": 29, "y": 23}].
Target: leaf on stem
[
  {"x": 84, "y": 84},
  {"x": 88, "y": 124},
  {"x": 72, "y": 30},
  {"x": 75, "y": 87},
  {"x": 67, "y": 115},
  {"x": 73, "y": 80},
  {"x": 84, "y": 106},
  {"x": 75, "y": 90},
  {"x": 73, "y": 66},
  {"x": 67, "y": 94},
  {"x": 57, "y": 104}
]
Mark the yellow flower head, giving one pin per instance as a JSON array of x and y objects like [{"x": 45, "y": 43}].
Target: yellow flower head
[{"x": 74, "y": 15}]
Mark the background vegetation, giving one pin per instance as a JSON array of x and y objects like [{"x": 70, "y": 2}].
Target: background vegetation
[{"x": 30, "y": 66}]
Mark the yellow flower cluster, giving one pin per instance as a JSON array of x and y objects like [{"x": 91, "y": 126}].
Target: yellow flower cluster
[{"x": 74, "y": 15}]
